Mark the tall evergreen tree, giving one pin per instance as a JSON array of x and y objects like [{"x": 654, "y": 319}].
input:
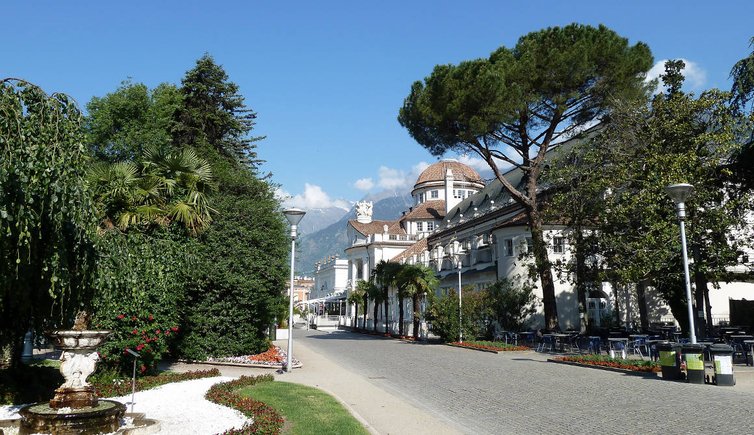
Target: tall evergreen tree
[
  {"x": 213, "y": 112},
  {"x": 239, "y": 281}
]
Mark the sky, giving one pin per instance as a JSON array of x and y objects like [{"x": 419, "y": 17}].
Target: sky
[{"x": 327, "y": 78}]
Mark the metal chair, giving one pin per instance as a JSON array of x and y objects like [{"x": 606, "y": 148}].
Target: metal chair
[{"x": 547, "y": 341}]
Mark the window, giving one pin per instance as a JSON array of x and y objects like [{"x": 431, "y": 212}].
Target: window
[
  {"x": 509, "y": 247},
  {"x": 421, "y": 198},
  {"x": 529, "y": 245},
  {"x": 420, "y": 226},
  {"x": 430, "y": 226},
  {"x": 435, "y": 194},
  {"x": 558, "y": 245}
]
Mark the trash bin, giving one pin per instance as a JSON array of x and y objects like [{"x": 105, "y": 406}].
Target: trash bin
[
  {"x": 722, "y": 355},
  {"x": 273, "y": 332},
  {"x": 670, "y": 360},
  {"x": 693, "y": 356}
]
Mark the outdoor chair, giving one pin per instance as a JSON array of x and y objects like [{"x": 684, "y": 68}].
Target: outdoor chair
[
  {"x": 639, "y": 346},
  {"x": 511, "y": 337},
  {"x": 547, "y": 342},
  {"x": 594, "y": 344},
  {"x": 573, "y": 343}
]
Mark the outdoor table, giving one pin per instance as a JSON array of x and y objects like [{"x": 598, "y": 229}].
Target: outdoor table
[
  {"x": 527, "y": 336},
  {"x": 561, "y": 338},
  {"x": 737, "y": 342},
  {"x": 613, "y": 341},
  {"x": 653, "y": 354}
]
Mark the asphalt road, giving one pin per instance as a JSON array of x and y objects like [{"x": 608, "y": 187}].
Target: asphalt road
[{"x": 519, "y": 392}]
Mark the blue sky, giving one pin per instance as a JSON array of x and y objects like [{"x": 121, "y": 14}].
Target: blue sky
[{"x": 327, "y": 78}]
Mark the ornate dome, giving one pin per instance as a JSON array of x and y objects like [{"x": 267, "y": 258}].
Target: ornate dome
[{"x": 436, "y": 172}]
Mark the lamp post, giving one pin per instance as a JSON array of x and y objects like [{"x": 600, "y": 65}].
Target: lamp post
[
  {"x": 294, "y": 216},
  {"x": 679, "y": 193},
  {"x": 455, "y": 252}
]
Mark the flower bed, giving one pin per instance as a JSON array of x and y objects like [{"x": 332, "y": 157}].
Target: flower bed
[
  {"x": 494, "y": 346},
  {"x": 606, "y": 361},
  {"x": 109, "y": 387},
  {"x": 272, "y": 357},
  {"x": 265, "y": 419}
]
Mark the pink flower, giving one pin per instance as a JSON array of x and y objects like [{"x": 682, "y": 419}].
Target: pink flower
[{"x": 140, "y": 347}]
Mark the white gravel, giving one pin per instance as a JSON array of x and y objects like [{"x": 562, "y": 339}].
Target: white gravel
[{"x": 180, "y": 407}]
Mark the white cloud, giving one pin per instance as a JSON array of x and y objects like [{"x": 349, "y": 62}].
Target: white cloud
[
  {"x": 390, "y": 178},
  {"x": 695, "y": 76},
  {"x": 364, "y": 184},
  {"x": 313, "y": 197}
]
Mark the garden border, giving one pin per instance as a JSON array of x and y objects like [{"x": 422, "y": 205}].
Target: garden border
[{"x": 609, "y": 369}]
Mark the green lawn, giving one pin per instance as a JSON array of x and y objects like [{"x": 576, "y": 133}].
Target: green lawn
[{"x": 306, "y": 410}]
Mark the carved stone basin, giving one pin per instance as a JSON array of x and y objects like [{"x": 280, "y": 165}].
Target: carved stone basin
[{"x": 78, "y": 340}]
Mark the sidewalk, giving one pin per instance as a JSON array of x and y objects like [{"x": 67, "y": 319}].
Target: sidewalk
[{"x": 380, "y": 411}]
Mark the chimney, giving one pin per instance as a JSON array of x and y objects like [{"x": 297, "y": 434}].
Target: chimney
[{"x": 449, "y": 199}]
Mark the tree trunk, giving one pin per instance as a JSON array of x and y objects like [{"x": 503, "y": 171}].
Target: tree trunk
[
  {"x": 708, "y": 310},
  {"x": 366, "y": 309},
  {"x": 415, "y": 303},
  {"x": 616, "y": 314},
  {"x": 641, "y": 296},
  {"x": 700, "y": 282},
  {"x": 544, "y": 270},
  {"x": 355, "y": 315},
  {"x": 376, "y": 311},
  {"x": 400, "y": 314},
  {"x": 386, "y": 295},
  {"x": 581, "y": 278}
]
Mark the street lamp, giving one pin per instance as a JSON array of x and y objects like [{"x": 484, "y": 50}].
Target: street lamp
[
  {"x": 679, "y": 193},
  {"x": 294, "y": 216},
  {"x": 455, "y": 252}
]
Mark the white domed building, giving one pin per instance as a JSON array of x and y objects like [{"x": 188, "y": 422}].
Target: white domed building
[{"x": 439, "y": 188}]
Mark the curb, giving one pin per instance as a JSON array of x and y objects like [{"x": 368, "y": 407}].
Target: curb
[
  {"x": 609, "y": 369},
  {"x": 220, "y": 363},
  {"x": 474, "y": 348}
]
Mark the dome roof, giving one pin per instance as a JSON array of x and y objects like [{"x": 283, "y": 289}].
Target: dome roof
[{"x": 461, "y": 172}]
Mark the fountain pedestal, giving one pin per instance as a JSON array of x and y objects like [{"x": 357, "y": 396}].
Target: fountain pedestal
[{"x": 75, "y": 408}]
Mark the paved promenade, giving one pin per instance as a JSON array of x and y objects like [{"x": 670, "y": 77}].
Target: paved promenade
[{"x": 409, "y": 388}]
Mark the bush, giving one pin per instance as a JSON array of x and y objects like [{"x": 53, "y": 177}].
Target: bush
[
  {"x": 443, "y": 313},
  {"x": 241, "y": 273},
  {"x": 266, "y": 419},
  {"x": 112, "y": 383},
  {"x": 511, "y": 304},
  {"x": 140, "y": 288}
]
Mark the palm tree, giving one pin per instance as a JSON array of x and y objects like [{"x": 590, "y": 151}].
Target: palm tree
[
  {"x": 356, "y": 296},
  {"x": 164, "y": 186},
  {"x": 384, "y": 274},
  {"x": 416, "y": 280},
  {"x": 375, "y": 294}
]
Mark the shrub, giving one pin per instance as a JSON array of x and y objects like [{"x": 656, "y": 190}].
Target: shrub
[
  {"x": 140, "y": 288},
  {"x": 112, "y": 383},
  {"x": 443, "y": 313},
  {"x": 511, "y": 304},
  {"x": 266, "y": 419}
]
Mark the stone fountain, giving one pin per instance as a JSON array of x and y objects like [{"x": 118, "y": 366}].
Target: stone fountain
[{"x": 75, "y": 408}]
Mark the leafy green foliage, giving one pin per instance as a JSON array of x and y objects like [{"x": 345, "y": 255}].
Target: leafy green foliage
[
  {"x": 512, "y": 106},
  {"x": 123, "y": 124},
  {"x": 28, "y": 384},
  {"x": 163, "y": 186},
  {"x": 443, "y": 313},
  {"x": 45, "y": 211},
  {"x": 416, "y": 281},
  {"x": 241, "y": 271},
  {"x": 113, "y": 383},
  {"x": 511, "y": 305},
  {"x": 140, "y": 284}
]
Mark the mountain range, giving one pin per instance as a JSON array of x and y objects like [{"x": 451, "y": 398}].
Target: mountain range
[{"x": 317, "y": 244}]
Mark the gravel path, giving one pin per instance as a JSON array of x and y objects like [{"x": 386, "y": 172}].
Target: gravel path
[{"x": 180, "y": 407}]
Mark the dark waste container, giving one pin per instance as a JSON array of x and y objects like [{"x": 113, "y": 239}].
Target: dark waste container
[
  {"x": 670, "y": 360},
  {"x": 273, "y": 332},
  {"x": 722, "y": 356},
  {"x": 693, "y": 356}
]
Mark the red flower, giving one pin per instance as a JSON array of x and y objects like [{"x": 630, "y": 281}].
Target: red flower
[
  {"x": 121, "y": 317},
  {"x": 135, "y": 332},
  {"x": 167, "y": 332},
  {"x": 157, "y": 331},
  {"x": 133, "y": 318},
  {"x": 174, "y": 328},
  {"x": 143, "y": 368},
  {"x": 151, "y": 317},
  {"x": 140, "y": 347}
]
